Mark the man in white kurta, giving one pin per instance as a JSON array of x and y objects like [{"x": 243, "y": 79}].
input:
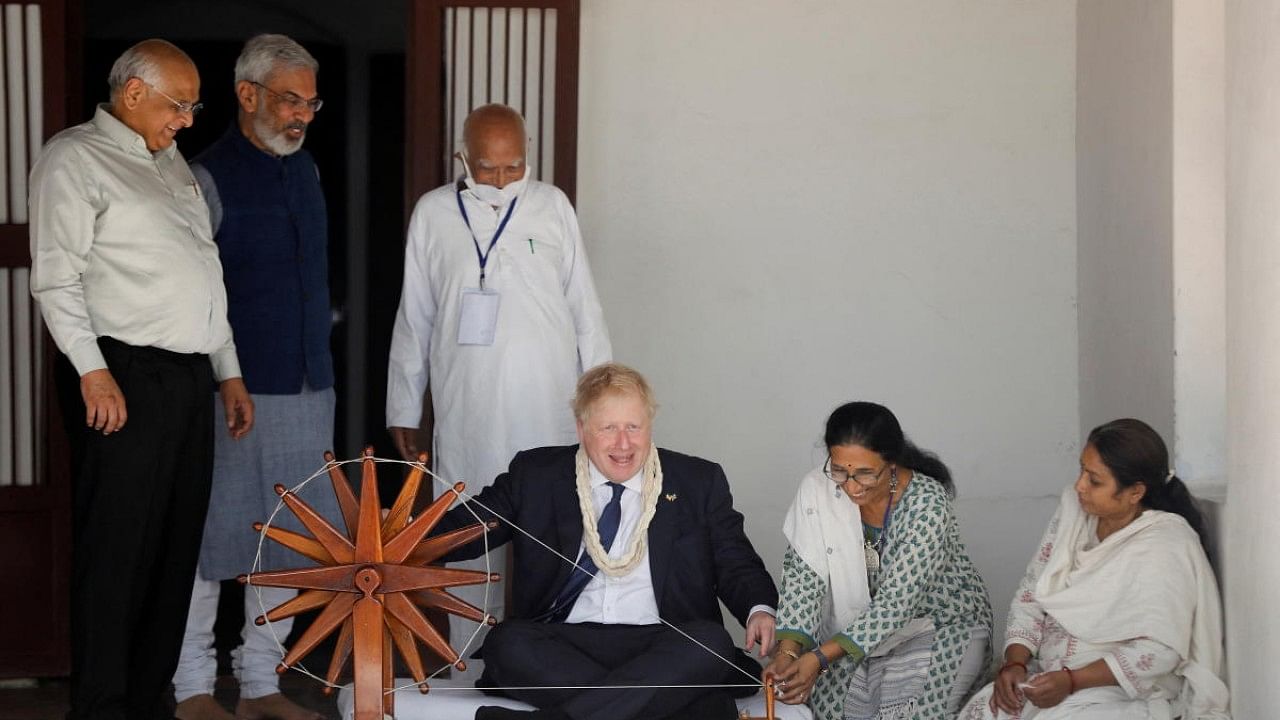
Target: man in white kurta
[{"x": 503, "y": 354}]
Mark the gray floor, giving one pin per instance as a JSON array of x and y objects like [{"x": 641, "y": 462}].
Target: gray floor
[{"x": 48, "y": 699}]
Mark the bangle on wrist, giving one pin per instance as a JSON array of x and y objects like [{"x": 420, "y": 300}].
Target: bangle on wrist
[
  {"x": 823, "y": 663},
  {"x": 1070, "y": 679},
  {"x": 1012, "y": 663}
]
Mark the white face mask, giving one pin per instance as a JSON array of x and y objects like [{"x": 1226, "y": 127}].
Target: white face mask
[{"x": 490, "y": 194}]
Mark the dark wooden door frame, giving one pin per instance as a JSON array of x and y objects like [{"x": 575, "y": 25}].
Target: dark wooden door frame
[{"x": 47, "y": 504}]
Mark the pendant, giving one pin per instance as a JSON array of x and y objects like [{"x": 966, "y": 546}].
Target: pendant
[{"x": 873, "y": 558}]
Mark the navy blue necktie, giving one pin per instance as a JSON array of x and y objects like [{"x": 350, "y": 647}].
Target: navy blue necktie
[{"x": 607, "y": 526}]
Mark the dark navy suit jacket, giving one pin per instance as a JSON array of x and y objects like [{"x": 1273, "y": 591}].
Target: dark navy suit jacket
[{"x": 698, "y": 551}]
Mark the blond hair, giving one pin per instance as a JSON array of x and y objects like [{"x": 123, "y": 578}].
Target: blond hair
[{"x": 610, "y": 379}]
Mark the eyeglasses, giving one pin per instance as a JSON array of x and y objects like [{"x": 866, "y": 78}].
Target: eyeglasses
[
  {"x": 179, "y": 106},
  {"x": 863, "y": 476},
  {"x": 292, "y": 100}
]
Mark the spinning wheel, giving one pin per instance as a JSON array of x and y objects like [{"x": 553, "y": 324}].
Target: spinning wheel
[{"x": 371, "y": 582}]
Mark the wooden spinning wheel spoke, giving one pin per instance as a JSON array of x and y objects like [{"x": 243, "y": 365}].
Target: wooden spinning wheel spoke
[
  {"x": 403, "y": 638},
  {"x": 369, "y": 579},
  {"x": 398, "y": 515},
  {"x": 398, "y": 549},
  {"x": 369, "y": 531},
  {"x": 304, "y": 601},
  {"x": 415, "y": 622},
  {"x": 402, "y": 578},
  {"x": 433, "y": 549},
  {"x": 441, "y": 600},
  {"x": 301, "y": 544},
  {"x": 335, "y": 577},
  {"x": 347, "y": 502},
  {"x": 334, "y": 542},
  {"x": 329, "y": 619},
  {"x": 341, "y": 651}
]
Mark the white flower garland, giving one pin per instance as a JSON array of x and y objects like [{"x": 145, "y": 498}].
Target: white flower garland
[{"x": 652, "y": 474}]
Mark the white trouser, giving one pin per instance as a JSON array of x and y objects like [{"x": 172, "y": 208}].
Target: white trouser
[
  {"x": 463, "y": 631},
  {"x": 254, "y": 661}
]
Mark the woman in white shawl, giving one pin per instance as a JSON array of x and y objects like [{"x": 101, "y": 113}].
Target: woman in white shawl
[
  {"x": 882, "y": 615},
  {"x": 1118, "y": 615}
]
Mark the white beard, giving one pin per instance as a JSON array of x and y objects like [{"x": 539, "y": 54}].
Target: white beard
[{"x": 276, "y": 141}]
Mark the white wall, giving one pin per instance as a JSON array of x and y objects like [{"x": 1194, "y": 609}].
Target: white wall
[
  {"x": 1150, "y": 158},
  {"x": 1124, "y": 158},
  {"x": 1199, "y": 245},
  {"x": 791, "y": 205},
  {"x": 1253, "y": 354}
]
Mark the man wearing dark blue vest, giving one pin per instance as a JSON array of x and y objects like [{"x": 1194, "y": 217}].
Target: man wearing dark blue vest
[{"x": 267, "y": 211}]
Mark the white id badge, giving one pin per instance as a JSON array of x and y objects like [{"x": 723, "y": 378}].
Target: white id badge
[{"x": 479, "y": 319}]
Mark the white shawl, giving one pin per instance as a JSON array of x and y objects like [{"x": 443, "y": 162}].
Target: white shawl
[
  {"x": 824, "y": 527},
  {"x": 1148, "y": 579}
]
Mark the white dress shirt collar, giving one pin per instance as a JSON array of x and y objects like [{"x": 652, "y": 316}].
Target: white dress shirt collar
[
  {"x": 126, "y": 137},
  {"x": 636, "y": 482}
]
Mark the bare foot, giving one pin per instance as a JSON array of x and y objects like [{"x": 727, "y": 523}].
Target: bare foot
[
  {"x": 273, "y": 707},
  {"x": 201, "y": 707}
]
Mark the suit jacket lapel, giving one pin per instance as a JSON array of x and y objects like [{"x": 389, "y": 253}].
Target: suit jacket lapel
[
  {"x": 568, "y": 522},
  {"x": 662, "y": 536}
]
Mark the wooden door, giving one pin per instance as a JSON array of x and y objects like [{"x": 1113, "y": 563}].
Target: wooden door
[{"x": 35, "y": 497}]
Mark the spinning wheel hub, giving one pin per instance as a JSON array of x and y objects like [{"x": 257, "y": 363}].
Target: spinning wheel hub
[{"x": 368, "y": 580}]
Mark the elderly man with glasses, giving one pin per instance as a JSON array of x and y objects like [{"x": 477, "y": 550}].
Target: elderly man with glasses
[
  {"x": 127, "y": 277},
  {"x": 267, "y": 210}
]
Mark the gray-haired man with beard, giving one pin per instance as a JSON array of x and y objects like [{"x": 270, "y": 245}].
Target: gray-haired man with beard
[{"x": 268, "y": 215}]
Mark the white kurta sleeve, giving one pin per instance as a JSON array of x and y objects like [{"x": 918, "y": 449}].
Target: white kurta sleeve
[
  {"x": 1026, "y": 617},
  {"x": 407, "y": 370},
  {"x": 580, "y": 294},
  {"x": 1137, "y": 665}
]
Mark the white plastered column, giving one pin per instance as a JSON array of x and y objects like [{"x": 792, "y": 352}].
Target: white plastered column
[{"x": 1252, "y": 525}]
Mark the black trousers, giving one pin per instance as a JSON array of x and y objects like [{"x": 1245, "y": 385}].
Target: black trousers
[
  {"x": 140, "y": 497},
  {"x": 527, "y": 653}
]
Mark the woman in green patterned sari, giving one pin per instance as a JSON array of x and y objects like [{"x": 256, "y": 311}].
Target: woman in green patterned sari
[{"x": 882, "y": 614}]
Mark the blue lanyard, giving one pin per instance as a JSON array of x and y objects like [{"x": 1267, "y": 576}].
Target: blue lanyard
[{"x": 483, "y": 257}]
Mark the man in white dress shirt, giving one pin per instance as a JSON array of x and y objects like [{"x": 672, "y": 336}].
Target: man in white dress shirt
[
  {"x": 129, "y": 283},
  {"x": 657, "y": 547},
  {"x": 498, "y": 313}
]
